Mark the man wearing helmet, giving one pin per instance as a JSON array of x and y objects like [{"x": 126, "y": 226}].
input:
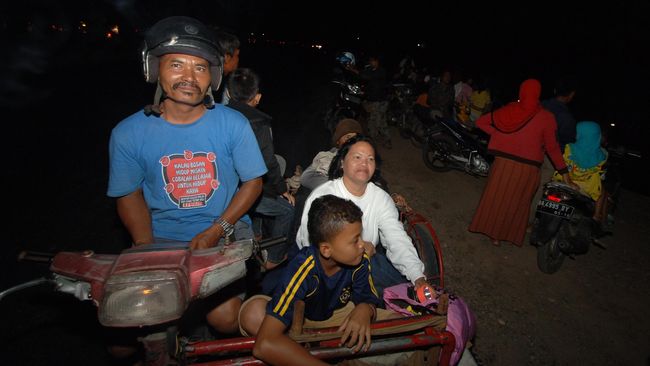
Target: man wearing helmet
[{"x": 186, "y": 169}]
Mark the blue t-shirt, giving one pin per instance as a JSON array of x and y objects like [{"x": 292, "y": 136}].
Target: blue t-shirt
[
  {"x": 304, "y": 279},
  {"x": 188, "y": 173}
]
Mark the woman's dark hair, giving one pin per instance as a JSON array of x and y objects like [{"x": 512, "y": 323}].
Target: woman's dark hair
[{"x": 336, "y": 166}]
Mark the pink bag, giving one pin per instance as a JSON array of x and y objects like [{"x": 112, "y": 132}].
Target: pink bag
[{"x": 460, "y": 320}]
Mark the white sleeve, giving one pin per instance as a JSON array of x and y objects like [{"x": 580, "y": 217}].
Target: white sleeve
[
  {"x": 400, "y": 250},
  {"x": 302, "y": 236}
]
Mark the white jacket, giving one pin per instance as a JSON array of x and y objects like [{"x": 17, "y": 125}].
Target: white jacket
[{"x": 380, "y": 224}]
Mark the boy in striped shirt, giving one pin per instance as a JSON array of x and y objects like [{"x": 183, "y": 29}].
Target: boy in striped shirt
[{"x": 332, "y": 278}]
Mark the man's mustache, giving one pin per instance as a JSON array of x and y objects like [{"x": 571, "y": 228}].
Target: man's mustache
[{"x": 186, "y": 84}]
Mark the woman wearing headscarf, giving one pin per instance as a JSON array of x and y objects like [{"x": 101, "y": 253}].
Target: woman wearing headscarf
[
  {"x": 585, "y": 160},
  {"x": 520, "y": 133}
]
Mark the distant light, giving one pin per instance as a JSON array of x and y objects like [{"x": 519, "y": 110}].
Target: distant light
[
  {"x": 109, "y": 35},
  {"x": 317, "y": 46},
  {"x": 358, "y": 38},
  {"x": 613, "y": 124},
  {"x": 115, "y": 29}
]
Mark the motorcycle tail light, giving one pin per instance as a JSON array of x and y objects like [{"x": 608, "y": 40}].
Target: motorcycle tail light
[
  {"x": 142, "y": 298},
  {"x": 554, "y": 198}
]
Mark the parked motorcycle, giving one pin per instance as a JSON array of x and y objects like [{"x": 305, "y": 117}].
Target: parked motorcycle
[
  {"x": 451, "y": 146},
  {"x": 620, "y": 162},
  {"x": 400, "y": 103},
  {"x": 563, "y": 226},
  {"x": 347, "y": 104}
]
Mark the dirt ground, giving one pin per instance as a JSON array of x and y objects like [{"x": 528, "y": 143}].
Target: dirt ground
[{"x": 591, "y": 312}]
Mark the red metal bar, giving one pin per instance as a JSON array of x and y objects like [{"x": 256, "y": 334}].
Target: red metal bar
[
  {"x": 247, "y": 343},
  {"x": 415, "y": 218},
  {"x": 223, "y": 345},
  {"x": 381, "y": 346}
]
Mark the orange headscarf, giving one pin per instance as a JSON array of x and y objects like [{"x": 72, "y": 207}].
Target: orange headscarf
[{"x": 515, "y": 115}]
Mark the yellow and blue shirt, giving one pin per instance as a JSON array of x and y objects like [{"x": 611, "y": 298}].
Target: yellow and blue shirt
[{"x": 304, "y": 279}]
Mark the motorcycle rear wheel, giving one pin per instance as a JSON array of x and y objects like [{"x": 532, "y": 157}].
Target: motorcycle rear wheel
[
  {"x": 435, "y": 152},
  {"x": 549, "y": 255}
]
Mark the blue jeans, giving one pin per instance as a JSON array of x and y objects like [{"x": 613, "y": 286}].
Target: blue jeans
[
  {"x": 280, "y": 211},
  {"x": 384, "y": 274}
]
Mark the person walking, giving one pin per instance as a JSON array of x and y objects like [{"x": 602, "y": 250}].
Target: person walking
[{"x": 375, "y": 103}]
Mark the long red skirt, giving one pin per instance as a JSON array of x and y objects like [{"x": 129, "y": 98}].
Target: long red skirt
[{"x": 502, "y": 213}]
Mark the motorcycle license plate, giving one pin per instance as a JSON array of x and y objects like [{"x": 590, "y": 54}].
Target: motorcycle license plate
[{"x": 555, "y": 208}]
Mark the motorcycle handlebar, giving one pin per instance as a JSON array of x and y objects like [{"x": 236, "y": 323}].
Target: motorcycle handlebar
[{"x": 32, "y": 256}]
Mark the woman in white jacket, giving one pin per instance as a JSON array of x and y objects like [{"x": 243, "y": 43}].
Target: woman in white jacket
[{"x": 352, "y": 175}]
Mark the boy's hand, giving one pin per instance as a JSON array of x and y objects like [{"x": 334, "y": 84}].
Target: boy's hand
[{"x": 356, "y": 327}]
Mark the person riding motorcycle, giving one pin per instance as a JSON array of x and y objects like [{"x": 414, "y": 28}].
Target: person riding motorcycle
[{"x": 585, "y": 159}]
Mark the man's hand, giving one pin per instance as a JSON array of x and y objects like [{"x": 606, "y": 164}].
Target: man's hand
[
  {"x": 289, "y": 197},
  {"x": 369, "y": 248},
  {"x": 207, "y": 238},
  {"x": 356, "y": 327}
]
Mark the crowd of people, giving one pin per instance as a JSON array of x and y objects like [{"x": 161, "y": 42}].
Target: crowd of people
[{"x": 199, "y": 166}]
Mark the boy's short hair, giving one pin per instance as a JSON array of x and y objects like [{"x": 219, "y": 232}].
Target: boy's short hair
[
  {"x": 327, "y": 216},
  {"x": 243, "y": 85},
  {"x": 228, "y": 42}
]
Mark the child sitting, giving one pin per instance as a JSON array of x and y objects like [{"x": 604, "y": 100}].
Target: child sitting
[
  {"x": 585, "y": 160},
  {"x": 332, "y": 278}
]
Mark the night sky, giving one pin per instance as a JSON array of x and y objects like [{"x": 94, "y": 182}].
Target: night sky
[{"x": 604, "y": 46}]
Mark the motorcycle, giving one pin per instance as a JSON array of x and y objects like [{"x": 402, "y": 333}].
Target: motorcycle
[
  {"x": 449, "y": 145},
  {"x": 563, "y": 226},
  {"x": 347, "y": 104},
  {"x": 150, "y": 288},
  {"x": 400, "y": 101},
  {"x": 620, "y": 161}
]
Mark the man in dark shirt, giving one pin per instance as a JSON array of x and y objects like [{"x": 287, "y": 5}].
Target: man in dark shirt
[
  {"x": 440, "y": 96},
  {"x": 565, "y": 90},
  {"x": 375, "y": 103},
  {"x": 276, "y": 203}
]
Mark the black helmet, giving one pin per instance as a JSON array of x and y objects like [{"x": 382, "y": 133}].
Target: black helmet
[{"x": 179, "y": 34}]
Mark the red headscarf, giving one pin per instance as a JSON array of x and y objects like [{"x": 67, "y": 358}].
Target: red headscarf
[{"x": 515, "y": 115}]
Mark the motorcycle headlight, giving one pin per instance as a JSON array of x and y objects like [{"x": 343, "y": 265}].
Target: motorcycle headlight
[
  {"x": 354, "y": 89},
  {"x": 143, "y": 298}
]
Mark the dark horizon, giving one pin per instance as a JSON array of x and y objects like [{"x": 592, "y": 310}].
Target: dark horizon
[{"x": 600, "y": 46}]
